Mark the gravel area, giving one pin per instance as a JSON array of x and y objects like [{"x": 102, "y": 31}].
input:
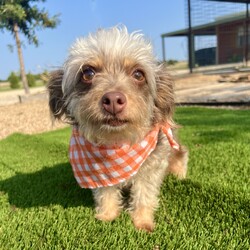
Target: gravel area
[{"x": 29, "y": 118}]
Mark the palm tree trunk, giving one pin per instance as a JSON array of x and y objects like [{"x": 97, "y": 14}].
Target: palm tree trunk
[{"x": 20, "y": 56}]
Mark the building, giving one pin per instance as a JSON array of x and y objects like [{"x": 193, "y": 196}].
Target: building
[{"x": 232, "y": 36}]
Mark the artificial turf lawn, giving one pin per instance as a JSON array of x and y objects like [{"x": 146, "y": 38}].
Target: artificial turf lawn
[{"x": 42, "y": 207}]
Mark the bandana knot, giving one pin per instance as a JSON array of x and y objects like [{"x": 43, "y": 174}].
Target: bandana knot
[{"x": 101, "y": 166}]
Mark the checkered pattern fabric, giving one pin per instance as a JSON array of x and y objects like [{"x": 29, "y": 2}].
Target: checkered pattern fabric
[{"x": 101, "y": 166}]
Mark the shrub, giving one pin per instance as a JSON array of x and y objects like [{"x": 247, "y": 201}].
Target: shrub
[
  {"x": 14, "y": 81},
  {"x": 31, "y": 80},
  {"x": 44, "y": 77},
  {"x": 172, "y": 62}
]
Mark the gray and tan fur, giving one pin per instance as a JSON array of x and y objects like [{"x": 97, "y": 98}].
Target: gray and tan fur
[{"x": 114, "y": 61}]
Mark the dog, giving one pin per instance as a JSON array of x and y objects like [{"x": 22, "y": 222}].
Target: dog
[{"x": 120, "y": 102}]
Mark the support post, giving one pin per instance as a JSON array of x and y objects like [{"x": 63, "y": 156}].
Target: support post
[
  {"x": 190, "y": 39},
  {"x": 246, "y": 34},
  {"x": 163, "y": 49}
]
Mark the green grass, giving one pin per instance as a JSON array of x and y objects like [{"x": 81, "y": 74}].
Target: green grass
[{"x": 41, "y": 206}]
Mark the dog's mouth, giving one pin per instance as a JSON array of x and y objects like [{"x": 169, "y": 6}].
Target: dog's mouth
[{"x": 115, "y": 122}]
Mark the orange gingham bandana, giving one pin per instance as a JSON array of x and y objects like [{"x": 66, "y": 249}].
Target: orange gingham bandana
[{"x": 101, "y": 166}]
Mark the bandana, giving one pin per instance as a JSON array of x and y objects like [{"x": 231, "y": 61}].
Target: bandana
[{"x": 101, "y": 166}]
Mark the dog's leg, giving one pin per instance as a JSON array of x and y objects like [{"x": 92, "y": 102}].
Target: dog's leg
[
  {"x": 144, "y": 194},
  {"x": 178, "y": 163},
  {"x": 146, "y": 186},
  {"x": 108, "y": 203},
  {"x": 145, "y": 191}
]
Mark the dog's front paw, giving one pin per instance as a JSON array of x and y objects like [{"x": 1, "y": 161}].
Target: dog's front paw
[
  {"x": 107, "y": 216},
  {"x": 144, "y": 225},
  {"x": 143, "y": 219}
]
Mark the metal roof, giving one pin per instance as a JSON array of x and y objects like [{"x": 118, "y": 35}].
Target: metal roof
[
  {"x": 208, "y": 28},
  {"x": 231, "y": 1}
]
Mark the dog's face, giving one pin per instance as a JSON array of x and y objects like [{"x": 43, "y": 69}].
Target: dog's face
[{"x": 112, "y": 87}]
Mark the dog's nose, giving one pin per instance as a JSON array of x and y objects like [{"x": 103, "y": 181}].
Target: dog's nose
[{"x": 114, "y": 102}]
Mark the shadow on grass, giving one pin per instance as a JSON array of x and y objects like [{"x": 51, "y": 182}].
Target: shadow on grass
[{"x": 49, "y": 186}]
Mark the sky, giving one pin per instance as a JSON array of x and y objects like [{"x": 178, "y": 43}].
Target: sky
[{"x": 80, "y": 17}]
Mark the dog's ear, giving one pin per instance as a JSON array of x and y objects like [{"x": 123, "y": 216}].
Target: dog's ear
[
  {"x": 56, "y": 99},
  {"x": 164, "y": 101}
]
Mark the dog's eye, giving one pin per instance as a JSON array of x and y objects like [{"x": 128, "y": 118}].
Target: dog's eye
[
  {"x": 88, "y": 75},
  {"x": 138, "y": 75}
]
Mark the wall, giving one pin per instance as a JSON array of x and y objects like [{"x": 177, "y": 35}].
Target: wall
[{"x": 229, "y": 47}]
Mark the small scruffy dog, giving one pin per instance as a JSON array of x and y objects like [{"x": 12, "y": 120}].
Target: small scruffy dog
[{"x": 120, "y": 102}]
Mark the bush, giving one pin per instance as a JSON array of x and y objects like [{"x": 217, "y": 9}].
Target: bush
[
  {"x": 14, "y": 81},
  {"x": 172, "y": 62},
  {"x": 44, "y": 77},
  {"x": 31, "y": 80}
]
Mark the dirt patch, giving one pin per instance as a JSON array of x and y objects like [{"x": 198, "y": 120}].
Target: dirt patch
[
  {"x": 29, "y": 118},
  {"x": 195, "y": 80},
  {"x": 199, "y": 88}
]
